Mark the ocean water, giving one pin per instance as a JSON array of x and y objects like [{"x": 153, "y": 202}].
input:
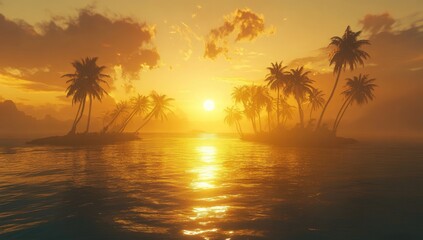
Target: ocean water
[{"x": 207, "y": 186}]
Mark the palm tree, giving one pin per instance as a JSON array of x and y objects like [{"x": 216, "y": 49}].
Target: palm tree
[
  {"x": 241, "y": 95},
  {"x": 161, "y": 108},
  {"x": 299, "y": 85},
  {"x": 85, "y": 82},
  {"x": 120, "y": 108},
  {"x": 259, "y": 99},
  {"x": 287, "y": 111},
  {"x": 269, "y": 109},
  {"x": 233, "y": 116},
  {"x": 140, "y": 105},
  {"x": 347, "y": 54},
  {"x": 244, "y": 94},
  {"x": 276, "y": 79},
  {"x": 315, "y": 100},
  {"x": 359, "y": 89}
]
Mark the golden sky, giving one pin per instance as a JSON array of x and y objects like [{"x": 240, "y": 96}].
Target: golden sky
[{"x": 189, "y": 50}]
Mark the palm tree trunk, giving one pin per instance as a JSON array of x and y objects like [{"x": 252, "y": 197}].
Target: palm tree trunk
[
  {"x": 89, "y": 115},
  {"x": 111, "y": 122},
  {"x": 268, "y": 121},
  {"x": 240, "y": 129},
  {"x": 328, "y": 101},
  {"x": 253, "y": 123},
  {"x": 311, "y": 112},
  {"x": 340, "y": 118},
  {"x": 277, "y": 107},
  {"x": 237, "y": 128},
  {"x": 300, "y": 110},
  {"x": 80, "y": 115},
  {"x": 72, "y": 131},
  {"x": 259, "y": 118},
  {"x": 146, "y": 120},
  {"x": 339, "y": 113},
  {"x": 126, "y": 122}
]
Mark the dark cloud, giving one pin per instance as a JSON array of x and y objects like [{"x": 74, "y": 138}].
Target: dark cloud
[
  {"x": 397, "y": 64},
  {"x": 246, "y": 24},
  {"x": 377, "y": 23},
  {"x": 44, "y": 52}
]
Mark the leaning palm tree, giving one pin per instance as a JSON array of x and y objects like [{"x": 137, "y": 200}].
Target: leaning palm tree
[
  {"x": 121, "y": 107},
  {"x": 276, "y": 80},
  {"x": 347, "y": 54},
  {"x": 161, "y": 108},
  {"x": 232, "y": 117},
  {"x": 140, "y": 105},
  {"x": 359, "y": 89},
  {"x": 85, "y": 82},
  {"x": 299, "y": 86},
  {"x": 315, "y": 100}
]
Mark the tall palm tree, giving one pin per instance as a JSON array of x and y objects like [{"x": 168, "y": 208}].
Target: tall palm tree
[
  {"x": 287, "y": 111},
  {"x": 121, "y": 107},
  {"x": 347, "y": 54},
  {"x": 233, "y": 116},
  {"x": 140, "y": 105},
  {"x": 359, "y": 89},
  {"x": 260, "y": 97},
  {"x": 276, "y": 80},
  {"x": 315, "y": 100},
  {"x": 299, "y": 86},
  {"x": 85, "y": 82},
  {"x": 241, "y": 95},
  {"x": 244, "y": 95},
  {"x": 161, "y": 108},
  {"x": 269, "y": 109}
]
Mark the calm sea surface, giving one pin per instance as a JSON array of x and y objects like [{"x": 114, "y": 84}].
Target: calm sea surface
[{"x": 205, "y": 186}]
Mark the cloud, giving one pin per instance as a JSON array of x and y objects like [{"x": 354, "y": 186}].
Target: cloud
[
  {"x": 244, "y": 23},
  {"x": 42, "y": 53},
  {"x": 188, "y": 35},
  {"x": 377, "y": 23}
]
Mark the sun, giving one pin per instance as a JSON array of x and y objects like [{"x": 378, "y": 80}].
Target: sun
[{"x": 208, "y": 105}]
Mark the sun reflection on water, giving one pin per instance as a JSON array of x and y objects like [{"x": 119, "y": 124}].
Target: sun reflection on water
[{"x": 207, "y": 169}]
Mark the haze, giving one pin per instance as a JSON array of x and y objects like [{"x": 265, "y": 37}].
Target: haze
[{"x": 186, "y": 50}]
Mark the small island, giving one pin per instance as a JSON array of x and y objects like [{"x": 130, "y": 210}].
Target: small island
[
  {"x": 85, "y": 85},
  {"x": 269, "y": 114}
]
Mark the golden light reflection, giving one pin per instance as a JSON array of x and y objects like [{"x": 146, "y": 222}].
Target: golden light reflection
[
  {"x": 206, "y": 171},
  {"x": 209, "y": 212}
]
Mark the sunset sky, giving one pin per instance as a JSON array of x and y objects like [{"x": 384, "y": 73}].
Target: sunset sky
[{"x": 184, "y": 50}]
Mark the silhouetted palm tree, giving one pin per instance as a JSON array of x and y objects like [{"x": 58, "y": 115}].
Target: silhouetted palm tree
[
  {"x": 269, "y": 109},
  {"x": 260, "y": 97},
  {"x": 287, "y": 111},
  {"x": 120, "y": 108},
  {"x": 315, "y": 100},
  {"x": 233, "y": 116},
  {"x": 276, "y": 80},
  {"x": 244, "y": 94},
  {"x": 161, "y": 108},
  {"x": 347, "y": 54},
  {"x": 359, "y": 89},
  {"x": 85, "y": 82},
  {"x": 299, "y": 85},
  {"x": 140, "y": 105},
  {"x": 241, "y": 95}
]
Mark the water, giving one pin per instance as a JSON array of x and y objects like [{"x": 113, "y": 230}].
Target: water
[{"x": 211, "y": 187}]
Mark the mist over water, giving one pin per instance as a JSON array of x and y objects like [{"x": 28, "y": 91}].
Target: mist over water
[{"x": 207, "y": 186}]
